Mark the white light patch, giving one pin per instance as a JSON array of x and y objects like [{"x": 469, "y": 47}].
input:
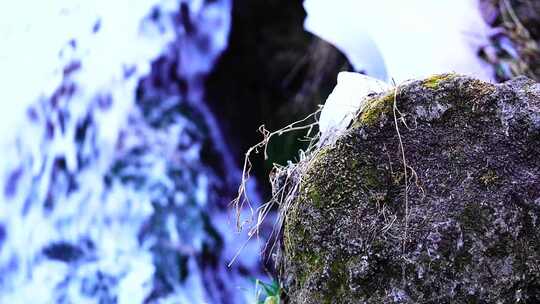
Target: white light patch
[
  {"x": 403, "y": 40},
  {"x": 351, "y": 91}
]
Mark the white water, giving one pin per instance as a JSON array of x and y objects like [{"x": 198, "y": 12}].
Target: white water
[
  {"x": 402, "y": 40},
  {"x": 84, "y": 169},
  {"x": 349, "y": 95}
]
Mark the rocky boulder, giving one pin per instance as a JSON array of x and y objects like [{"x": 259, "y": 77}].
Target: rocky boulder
[{"x": 431, "y": 196}]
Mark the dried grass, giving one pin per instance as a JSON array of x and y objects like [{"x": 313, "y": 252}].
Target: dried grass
[{"x": 283, "y": 194}]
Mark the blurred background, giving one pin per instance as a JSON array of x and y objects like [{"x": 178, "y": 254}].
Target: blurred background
[{"x": 124, "y": 126}]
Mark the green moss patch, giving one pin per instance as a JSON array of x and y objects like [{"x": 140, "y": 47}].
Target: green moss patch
[
  {"x": 435, "y": 81},
  {"x": 375, "y": 108}
]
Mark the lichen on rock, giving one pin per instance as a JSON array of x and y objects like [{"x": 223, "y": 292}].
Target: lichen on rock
[{"x": 460, "y": 225}]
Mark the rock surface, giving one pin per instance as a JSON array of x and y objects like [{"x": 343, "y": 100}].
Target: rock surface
[{"x": 465, "y": 229}]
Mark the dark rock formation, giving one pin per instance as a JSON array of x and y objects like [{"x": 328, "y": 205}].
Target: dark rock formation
[
  {"x": 272, "y": 73},
  {"x": 464, "y": 229}
]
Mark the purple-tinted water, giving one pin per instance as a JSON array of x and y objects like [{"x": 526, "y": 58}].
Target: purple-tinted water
[{"x": 116, "y": 178}]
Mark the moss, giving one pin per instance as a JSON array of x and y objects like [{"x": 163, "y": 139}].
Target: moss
[
  {"x": 312, "y": 264},
  {"x": 337, "y": 285},
  {"x": 397, "y": 177},
  {"x": 354, "y": 163},
  {"x": 312, "y": 189},
  {"x": 434, "y": 81},
  {"x": 370, "y": 177},
  {"x": 316, "y": 197},
  {"x": 473, "y": 217},
  {"x": 374, "y": 109},
  {"x": 320, "y": 156},
  {"x": 295, "y": 234},
  {"x": 345, "y": 175},
  {"x": 489, "y": 178}
]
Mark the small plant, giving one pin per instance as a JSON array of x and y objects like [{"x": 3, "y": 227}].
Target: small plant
[{"x": 267, "y": 293}]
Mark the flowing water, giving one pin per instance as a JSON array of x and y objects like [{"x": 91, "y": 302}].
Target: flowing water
[{"x": 116, "y": 178}]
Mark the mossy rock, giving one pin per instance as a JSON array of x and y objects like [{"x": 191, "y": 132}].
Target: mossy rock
[{"x": 466, "y": 229}]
